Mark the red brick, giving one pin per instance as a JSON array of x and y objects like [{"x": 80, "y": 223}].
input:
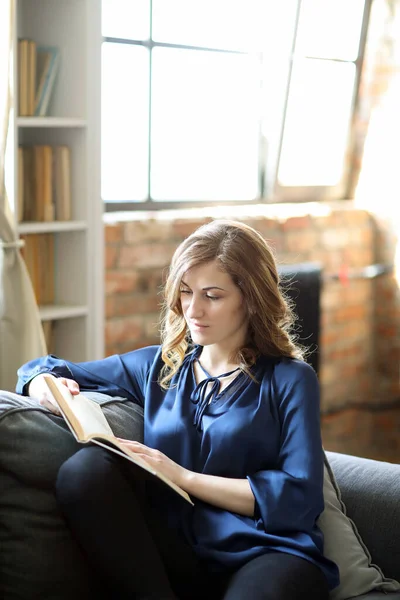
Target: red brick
[
  {"x": 134, "y": 305},
  {"x": 300, "y": 241},
  {"x": 111, "y": 255},
  {"x": 113, "y": 233},
  {"x": 348, "y": 313},
  {"x": 109, "y": 309},
  {"x": 138, "y": 232},
  {"x": 152, "y": 327},
  {"x": 120, "y": 282},
  {"x": 146, "y": 256},
  {"x": 125, "y": 330},
  {"x": 182, "y": 228},
  {"x": 304, "y": 222},
  {"x": 334, "y": 239},
  {"x": 356, "y": 218},
  {"x": 329, "y": 221}
]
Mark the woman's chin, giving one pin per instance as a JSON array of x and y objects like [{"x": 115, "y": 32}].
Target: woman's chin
[{"x": 199, "y": 337}]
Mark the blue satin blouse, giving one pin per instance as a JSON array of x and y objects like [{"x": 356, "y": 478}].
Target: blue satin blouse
[{"x": 267, "y": 431}]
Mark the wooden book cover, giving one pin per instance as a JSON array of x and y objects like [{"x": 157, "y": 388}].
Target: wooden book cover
[
  {"x": 38, "y": 161},
  {"x": 88, "y": 424},
  {"x": 48, "y": 206},
  {"x": 23, "y": 68},
  {"x": 29, "y": 200},
  {"x": 31, "y": 257},
  {"x": 20, "y": 198},
  {"x": 62, "y": 188},
  {"x": 45, "y": 268},
  {"x": 50, "y": 267},
  {"x": 31, "y": 77}
]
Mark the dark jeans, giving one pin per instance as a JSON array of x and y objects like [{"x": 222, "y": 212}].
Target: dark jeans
[{"x": 139, "y": 557}]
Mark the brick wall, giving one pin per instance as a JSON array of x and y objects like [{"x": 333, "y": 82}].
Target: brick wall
[{"x": 360, "y": 317}]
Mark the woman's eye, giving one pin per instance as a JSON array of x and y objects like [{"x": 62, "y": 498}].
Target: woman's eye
[
  {"x": 212, "y": 297},
  {"x": 185, "y": 292}
]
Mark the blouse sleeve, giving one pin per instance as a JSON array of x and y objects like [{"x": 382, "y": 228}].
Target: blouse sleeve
[
  {"x": 118, "y": 375},
  {"x": 290, "y": 496}
]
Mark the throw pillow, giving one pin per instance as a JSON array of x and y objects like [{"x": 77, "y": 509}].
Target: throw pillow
[{"x": 343, "y": 545}]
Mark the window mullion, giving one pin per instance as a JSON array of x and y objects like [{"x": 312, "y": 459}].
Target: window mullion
[
  {"x": 349, "y": 176},
  {"x": 274, "y": 149}
]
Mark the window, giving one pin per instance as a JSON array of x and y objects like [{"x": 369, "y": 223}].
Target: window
[{"x": 223, "y": 101}]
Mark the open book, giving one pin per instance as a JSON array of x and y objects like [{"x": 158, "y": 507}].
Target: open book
[{"x": 88, "y": 424}]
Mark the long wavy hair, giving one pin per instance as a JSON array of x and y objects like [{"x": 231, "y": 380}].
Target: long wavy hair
[{"x": 244, "y": 254}]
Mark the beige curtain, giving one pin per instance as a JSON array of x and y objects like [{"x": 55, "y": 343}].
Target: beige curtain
[{"x": 21, "y": 334}]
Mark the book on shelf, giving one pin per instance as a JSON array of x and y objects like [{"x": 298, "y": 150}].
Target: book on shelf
[
  {"x": 88, "y": 423},
  {"x": 44, "y": 183},
  {"x": 21, "y": 186},
  {"x": 37, "y": 72},
  {"x": 38, "y": 254},
  {"x": 23, "y": 76},
  {"x": 49, "y": 59},
  {"x": 62, "y": 183}
]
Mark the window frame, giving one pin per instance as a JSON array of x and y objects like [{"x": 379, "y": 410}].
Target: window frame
[{"x": 271, "y": 191}]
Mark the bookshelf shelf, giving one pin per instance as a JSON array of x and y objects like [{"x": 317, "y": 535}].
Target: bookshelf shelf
[
  {"x": 54, "y": 170},
  {"x": 52, "y": 122},
  {"x": 51, "y": 226},
  {"x": 56, "y": 312}
]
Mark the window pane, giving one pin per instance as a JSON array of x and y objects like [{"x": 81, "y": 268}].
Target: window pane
[
  {"x": 211, "y": 23},
  {"x": 126, "y": 19},
  {"x": 330, "y": 28},
  {"x": 125, "y": 122},
  {"x": 205, "y": 125},
  {"x": 317, "y": 122}
]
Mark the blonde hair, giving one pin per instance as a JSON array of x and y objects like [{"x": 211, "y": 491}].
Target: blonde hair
[{"x": 244, "y": 254}]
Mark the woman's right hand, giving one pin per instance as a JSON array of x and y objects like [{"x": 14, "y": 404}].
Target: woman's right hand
[{"x": 38, "y": 389}]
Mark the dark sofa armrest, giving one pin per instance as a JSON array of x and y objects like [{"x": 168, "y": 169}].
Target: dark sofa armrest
[
  {"x": 39, "y": 557},
  {"x": 371, "y": 492}
]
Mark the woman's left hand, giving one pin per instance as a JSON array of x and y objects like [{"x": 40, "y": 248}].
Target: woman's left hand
[{"x": 159, "y": 461}]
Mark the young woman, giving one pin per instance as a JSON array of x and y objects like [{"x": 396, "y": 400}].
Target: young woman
[{"x": 231, "y": 415}]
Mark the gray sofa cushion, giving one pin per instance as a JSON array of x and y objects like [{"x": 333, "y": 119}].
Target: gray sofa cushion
[
  {"x": 370, "y": 490},
  {"x": 39, "y": 559},
  {"x": 379, "y": 596},
  {"x": 344, "y": 545}
]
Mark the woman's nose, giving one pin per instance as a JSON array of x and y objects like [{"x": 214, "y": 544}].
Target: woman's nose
[{"x": 195, "y": 308}]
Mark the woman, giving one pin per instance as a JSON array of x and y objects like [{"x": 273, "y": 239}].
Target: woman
[{"x": 231, "y": 415}]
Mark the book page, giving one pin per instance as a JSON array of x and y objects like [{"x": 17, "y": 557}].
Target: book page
[{"x": 84, "y": 416}]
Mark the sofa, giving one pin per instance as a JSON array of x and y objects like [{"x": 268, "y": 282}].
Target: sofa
[{"x": 40, "y": 560}]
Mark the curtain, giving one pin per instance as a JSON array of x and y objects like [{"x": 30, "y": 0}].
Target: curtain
[{"x": 21, "y": 333}]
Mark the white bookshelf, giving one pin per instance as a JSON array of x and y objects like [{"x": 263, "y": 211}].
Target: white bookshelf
[
  {"x": 74, "y": 26},
  {"x": 58, "y": 122}
]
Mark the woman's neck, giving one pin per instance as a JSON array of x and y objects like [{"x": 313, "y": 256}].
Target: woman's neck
[{"x": 215, "y": 361}]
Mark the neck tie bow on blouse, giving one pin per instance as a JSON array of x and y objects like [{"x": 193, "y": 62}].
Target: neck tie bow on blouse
[{"x": 201, "y": 398}]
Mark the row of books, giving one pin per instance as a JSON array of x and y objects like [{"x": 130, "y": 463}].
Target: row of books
[
  {"x": 37, "y": 70},
  {"x": 44, "y": 183},
  {"x": 38, "y": 254}
]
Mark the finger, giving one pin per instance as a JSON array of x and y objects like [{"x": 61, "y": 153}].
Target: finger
[
  {"x": 134, "y": 447},
  {"x": 43, "y": 401},
  {"x": 71, "y": 385},
  {"x": 131, "y": 443}
]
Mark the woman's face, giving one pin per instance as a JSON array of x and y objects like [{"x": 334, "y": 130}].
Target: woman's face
[{"x": 213, "y": 307}]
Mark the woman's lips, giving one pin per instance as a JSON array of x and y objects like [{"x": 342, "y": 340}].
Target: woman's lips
[{"x": 198, "y": 326}]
